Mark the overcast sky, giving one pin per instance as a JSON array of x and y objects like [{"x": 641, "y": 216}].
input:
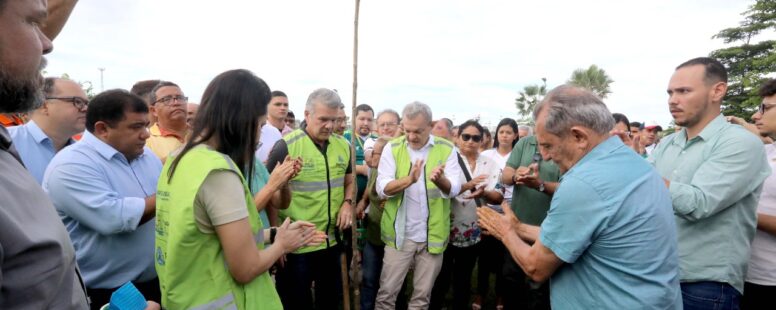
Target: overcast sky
[{"x": 463, "y": 58}]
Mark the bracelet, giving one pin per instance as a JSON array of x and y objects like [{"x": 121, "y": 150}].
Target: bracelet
[
  {"x": 349, "y": 201},
  {"x": 273, "y": 231}
]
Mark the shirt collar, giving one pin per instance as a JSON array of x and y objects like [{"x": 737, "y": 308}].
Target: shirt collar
[
  {"x": 36, "y": 132},
  {"x": 5, "y": 139},
  {"x": 712, "y": 128},
  {"x": 167, "y": 133},
  {"x": 102, "y": 148},
  {"x": 607, "y": 146}
]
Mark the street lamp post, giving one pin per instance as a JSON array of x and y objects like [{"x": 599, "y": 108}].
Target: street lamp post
[{"x": 102, "y": 84}]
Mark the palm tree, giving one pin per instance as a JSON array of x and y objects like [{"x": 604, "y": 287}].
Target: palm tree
[
  {"x": 593, "y": 79},
  {"x": 529, "y": 97}
]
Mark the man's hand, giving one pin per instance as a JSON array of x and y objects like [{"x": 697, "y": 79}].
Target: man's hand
[
  {"x": 345, "y": 218},
  {"x": 437, "y": 174},
  {"x": 417, "y": 168},
  {"x": 529, "y": 177},
  {"x": 360, "y": 207},
  {"x": 496, "y": 224}
]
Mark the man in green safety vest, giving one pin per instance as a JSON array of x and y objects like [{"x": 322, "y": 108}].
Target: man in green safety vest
[
  {"x": 322, "y": 194},
  {"x": 418, "y": 174}
]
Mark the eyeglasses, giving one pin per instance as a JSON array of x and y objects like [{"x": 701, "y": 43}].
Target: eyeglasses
[
  {"x": 467, "y": 137},
  {"x": 387, "y": 125},
  {"x": 78, "y": 102},
  {"x": 167, "y": 100},
  {"x": 764, "y": 108}
]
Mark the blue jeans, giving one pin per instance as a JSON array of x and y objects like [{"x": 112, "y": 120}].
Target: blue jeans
[
  {"x": 372, "y": 264},
  {"x": 710, "y": 296}
]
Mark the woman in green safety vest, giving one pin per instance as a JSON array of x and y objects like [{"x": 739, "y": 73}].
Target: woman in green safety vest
[{"x": 207, "y": 222}]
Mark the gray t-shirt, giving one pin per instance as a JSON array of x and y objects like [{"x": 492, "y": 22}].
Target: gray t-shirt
[{"x": 37, "y": 260}]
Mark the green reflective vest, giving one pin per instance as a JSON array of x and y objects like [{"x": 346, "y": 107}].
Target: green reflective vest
[
  {"x": 393, "y": 222},
  {"x": 318, "y": 191},
  {"x": 191, "y": 265}
]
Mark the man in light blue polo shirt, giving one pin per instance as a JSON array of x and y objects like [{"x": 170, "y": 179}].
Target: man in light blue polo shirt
[
  {"x": 609, "y": 239},
  {"x": 52, "y": 126},
  {"x": 103, "y": 188},
  {"x": 714, "y": 171}
]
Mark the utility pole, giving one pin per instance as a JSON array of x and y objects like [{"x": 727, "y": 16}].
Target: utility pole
[{"x": 102, "y": 82}]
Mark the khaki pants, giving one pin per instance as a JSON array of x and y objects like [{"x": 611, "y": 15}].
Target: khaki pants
[{"x": 396, "y": 263}]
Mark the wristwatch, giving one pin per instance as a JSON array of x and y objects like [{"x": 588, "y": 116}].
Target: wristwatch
[{"x": 541, "y": 186}]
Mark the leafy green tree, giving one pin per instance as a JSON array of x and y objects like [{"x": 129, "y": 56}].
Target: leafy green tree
[
  {"x": 529, "y": 97},
  {"x": 748, "y": 63},
  {"x": 593, "y": 79}
]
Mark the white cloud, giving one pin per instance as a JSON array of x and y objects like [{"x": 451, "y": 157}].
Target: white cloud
[{"x": 464, "y": 58}]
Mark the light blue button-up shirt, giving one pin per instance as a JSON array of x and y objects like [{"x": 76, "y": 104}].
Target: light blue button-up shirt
[
  {"x": 34, "y": 147},
  {"x": 100, "y": 197},
  {"x": 611, "y": 221},
  {"x": 716, "y": 180}
]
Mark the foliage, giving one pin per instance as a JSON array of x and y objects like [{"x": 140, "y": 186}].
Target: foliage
[
  {"x": 593, "y": 79},
  {"x": 748, "y": 63},
  {"x": 529, "y": 97}
]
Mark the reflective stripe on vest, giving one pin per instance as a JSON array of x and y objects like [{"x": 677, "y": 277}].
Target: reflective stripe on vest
[
  {"x": 313, "y": 186},
  {"x": 218, "y": 304}
]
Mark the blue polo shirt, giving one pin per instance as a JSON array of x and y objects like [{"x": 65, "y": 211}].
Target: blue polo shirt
[
  {"x": 34, "y": 147},
  {"x": 612, "y": 223},
  {"x": 100, "y": 197}
]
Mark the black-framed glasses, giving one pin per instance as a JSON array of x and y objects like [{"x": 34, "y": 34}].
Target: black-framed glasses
[
  {"x": 466, "y": 137},
  {"x": 764, "y": 108},
  {"x": 167, "y": 100},
  {"x": 78, "y": 102}
]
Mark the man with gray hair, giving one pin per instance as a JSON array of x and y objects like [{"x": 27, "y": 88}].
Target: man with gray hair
[
  {"x": 418, "y": 174},
  {"x": 609, "y": 239},
  {"x": 322, "y": 194},
  {"x": 524, "y": 131}
]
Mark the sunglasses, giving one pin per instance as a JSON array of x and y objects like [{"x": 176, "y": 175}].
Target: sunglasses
[{"x": 466, "y": 137}]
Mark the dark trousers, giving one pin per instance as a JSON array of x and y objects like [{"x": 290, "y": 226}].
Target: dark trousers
[
  {"x": 758, "y": 296},
  {"x": 101, "y": 296},
  {"x": 295, "y": 280},
  {"x": 710, "y": 295},
  {"x": 522, "y": 293},
  {"x": 457, "y": 263},
  {"x": 490, "y": 260}
]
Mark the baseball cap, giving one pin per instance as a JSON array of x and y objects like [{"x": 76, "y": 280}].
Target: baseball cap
[{"x": 651, "y": 125}]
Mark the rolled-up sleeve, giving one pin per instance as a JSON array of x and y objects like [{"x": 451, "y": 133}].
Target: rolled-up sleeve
[
  {"x": 453, "y": 173},
  {"x": 386, "y": 171},
  {"x": 82, "y": 192},
  {"x": 734, "y": 170}
]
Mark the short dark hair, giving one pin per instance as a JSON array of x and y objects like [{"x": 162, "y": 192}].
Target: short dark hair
[
  {"x": 634, "y": 124},
  {"x": 364, "y": 108},
  {"x": 714, "y": 70},
  {"x": 471, "y": 123},
  {"x": 152, "y": 94},
  {"x": 111, "y": 107},
  {"x": 290, "y": 114},
  {"x": 48, "y": 85},
  {"x": 277, "y": 93},
  {"x": 621, "y": 118},
  {"x": 768, "y": 88},
  {"x": 143, "y": 88}
]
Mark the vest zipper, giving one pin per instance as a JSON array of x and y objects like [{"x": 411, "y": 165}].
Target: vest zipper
[{"x": 328, "y": 196}]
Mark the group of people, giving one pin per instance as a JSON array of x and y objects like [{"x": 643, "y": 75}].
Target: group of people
[{"x": 230, "y": 205}]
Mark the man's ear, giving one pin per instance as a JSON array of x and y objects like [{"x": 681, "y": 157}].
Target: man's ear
[
  {"x": 152, "y": 110},
  {"x": 101, "y": 129},
  {"x": 718, "y": 91},
  {"x": 580, "y": 137}
]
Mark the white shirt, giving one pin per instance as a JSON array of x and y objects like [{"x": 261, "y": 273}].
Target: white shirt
[
  {"x": 501, "y": 161},
  {"x": 414, "y": 201},
  {"x": 269, "y": 135},
  {"x": 762, "y": 262},
  {"x": 465, "y": 231}
]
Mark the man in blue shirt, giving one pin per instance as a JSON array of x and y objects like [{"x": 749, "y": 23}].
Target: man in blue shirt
[
  {"x": 52, "y": 126},
  {"x": 609, "y": 239},
  {"x": 103, "y": 188}
]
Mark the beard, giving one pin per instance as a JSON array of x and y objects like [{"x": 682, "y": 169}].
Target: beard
[{"x": 21, "y": 94}]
